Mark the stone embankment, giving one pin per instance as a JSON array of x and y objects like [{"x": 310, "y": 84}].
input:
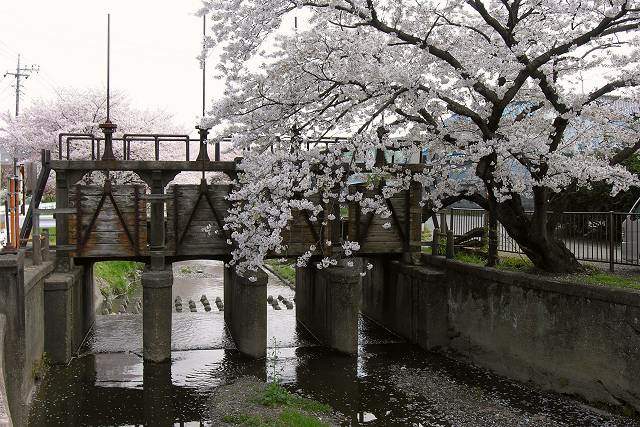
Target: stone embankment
[{"x": 568, "y": 337}]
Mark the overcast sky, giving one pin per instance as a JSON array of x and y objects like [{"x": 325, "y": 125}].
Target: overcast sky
[{"x": 154, "y": 44}]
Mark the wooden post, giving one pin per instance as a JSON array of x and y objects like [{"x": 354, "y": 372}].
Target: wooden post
[
  {"x": 156, "y": 240},
  {"x": 443, "y": 222},
  {"x": 63, "y": 261},
  {"x": 45, "y": 245},
  {"x": 435, "y": 246},
  {"x": 35, "y": 239},
  {"x": 450, "y": 249}
]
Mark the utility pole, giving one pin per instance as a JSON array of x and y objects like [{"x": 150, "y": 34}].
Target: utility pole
[{"x": 21, "y": 72}]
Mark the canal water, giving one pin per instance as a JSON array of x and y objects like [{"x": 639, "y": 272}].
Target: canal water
[{"x": 389, "y": 382}]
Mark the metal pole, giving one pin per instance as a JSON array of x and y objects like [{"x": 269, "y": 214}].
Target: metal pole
[
  {"x": 204, "y": 62},
  {"x": 107, "y": 127},
  {"x": 18, "y": 86},
  {"x": 108, "y": 66},
  {"x": 611, "y": 241}
]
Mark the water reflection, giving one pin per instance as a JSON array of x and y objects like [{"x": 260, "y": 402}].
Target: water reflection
[
  {"x": 157, "y": 394},
  {"x": 119, "y": 389},
  {"x": 388, "y": 383}
]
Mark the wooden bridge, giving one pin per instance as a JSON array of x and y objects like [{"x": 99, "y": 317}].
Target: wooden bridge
[
  {"x": 157, "y": 222},
  {"x": 156, "y": 219}
]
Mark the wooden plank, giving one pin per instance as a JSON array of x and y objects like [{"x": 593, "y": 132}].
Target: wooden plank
[
  {"x": 108, "y": 237},
  {"x": 195, "y": 240},
  {"x": 381, "y": 240}
]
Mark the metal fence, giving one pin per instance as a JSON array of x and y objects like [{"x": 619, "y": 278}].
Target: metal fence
[{"x": 608, "y": 237}]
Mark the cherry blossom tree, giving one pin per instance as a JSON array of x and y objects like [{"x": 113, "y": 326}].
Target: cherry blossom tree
[
  {"x": 509, "y": 99},
  {"x": 77, "y": 111}
]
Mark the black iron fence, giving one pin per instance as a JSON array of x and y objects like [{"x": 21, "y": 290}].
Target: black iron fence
[{"x": 607, "y": 237}]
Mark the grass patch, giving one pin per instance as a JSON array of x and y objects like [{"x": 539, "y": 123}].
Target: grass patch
[
  {"x": 470, "y": 258},
  {"x": 276, "y": 395},
  {"x": 288, "y": 418},
  {"x": 608, "y": 279},
  {"x": 121, "y": 277},
  {"x": 187, "y": 269},
  {"x": 293, "y": 418},
  {"x": 518, "y": 264},
  {"x": 284, "y": 269},
  {"x": 251, "y": 402},
  {"x": 592, "y": 275},
  {"x": 515, "y": 264}
]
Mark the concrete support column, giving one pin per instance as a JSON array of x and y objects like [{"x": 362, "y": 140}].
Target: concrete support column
[
  {"x": 62, "y": 315},
  {"x": 156, "y": 316},
  {"x": 328, "y": 305},
  {"x": 245, "y": 311}
]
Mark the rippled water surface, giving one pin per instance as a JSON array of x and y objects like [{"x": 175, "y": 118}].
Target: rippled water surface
[{"x": 389, "y": 383}]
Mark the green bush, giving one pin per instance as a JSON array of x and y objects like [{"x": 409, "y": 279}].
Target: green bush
[
  {"x": 284, "y": 269},
  {"x": 121, "y": 277}
]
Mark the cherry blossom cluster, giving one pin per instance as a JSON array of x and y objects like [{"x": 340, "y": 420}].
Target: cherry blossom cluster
[{"x": 499, "y": 100}]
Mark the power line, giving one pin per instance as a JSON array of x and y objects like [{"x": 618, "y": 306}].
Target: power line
[{"x": 21, "y": 72}]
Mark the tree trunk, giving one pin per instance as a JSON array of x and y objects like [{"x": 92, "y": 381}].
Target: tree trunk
[{"x": 531, "y": 233}]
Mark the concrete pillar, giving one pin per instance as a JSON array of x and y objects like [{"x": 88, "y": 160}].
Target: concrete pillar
[
  {"x": 328, "y": 305},
  {"x": 62, "y": 315},
  {"x": 245, "y": 311},
  {"x": 156, "y": 316}
]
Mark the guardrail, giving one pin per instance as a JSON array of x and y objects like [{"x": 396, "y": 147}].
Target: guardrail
[{"x": 607, "y": 237}]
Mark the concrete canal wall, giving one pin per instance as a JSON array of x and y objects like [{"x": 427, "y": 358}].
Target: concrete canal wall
[
  {"x": 328, "y": 304},
  {"x": 22, "y": 306},
  {"x": 572, "y": 338},
  {"x": 408, "y": 300},
  {"x": 69, "y": 312},
  {"x": 45, "y": 317}
]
